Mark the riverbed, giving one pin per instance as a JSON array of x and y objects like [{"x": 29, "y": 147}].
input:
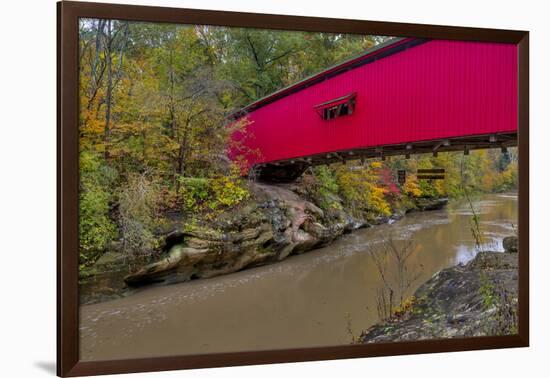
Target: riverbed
[{"x": 320, "y": 298}]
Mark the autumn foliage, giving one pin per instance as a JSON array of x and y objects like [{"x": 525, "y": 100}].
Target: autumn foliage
[
  {"x": 371, "y": 189},
  {"x": 154, "y": 129}
]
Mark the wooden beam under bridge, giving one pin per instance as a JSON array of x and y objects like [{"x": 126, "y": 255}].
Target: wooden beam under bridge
[{"x": 290, "y": 169}]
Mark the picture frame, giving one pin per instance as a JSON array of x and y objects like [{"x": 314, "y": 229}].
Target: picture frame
[{"x": 68, "y": 15}]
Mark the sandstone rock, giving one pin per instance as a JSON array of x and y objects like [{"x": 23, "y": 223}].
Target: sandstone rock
[
  {"x": 109, "y": 261},
  {"x": 174, "y": 262},
  {"x": 303, "y": 241},
  {"x": 424, "y": 204},
  {"x": 510, "y": 244}
]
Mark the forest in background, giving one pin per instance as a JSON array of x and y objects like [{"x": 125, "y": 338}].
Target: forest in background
[{"x": 153, "y": 105}]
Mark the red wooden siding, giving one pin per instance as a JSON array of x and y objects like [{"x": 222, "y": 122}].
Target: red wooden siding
[{"x": 437, "y": 89}]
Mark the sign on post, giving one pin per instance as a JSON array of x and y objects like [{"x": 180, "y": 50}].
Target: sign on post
[
  {"x": 430, "y": 174},
  {"x": 401, "y": 176}
]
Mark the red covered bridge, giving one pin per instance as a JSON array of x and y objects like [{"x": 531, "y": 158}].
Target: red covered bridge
[{"x": 405, "y": 96}]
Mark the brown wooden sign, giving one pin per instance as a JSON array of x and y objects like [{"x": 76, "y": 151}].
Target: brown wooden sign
[
  {"x": 430, "y": 177},
  {"x": 431, "y": 170},
  {"x": 431, "y": 174}
]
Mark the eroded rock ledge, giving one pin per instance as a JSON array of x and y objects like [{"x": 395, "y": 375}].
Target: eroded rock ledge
[
  {"x": 276, "y": 224},
  {"x": 476, "y": 299}
]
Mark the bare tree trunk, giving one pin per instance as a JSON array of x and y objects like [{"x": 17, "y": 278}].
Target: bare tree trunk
[
  {"x": 95, "y": 79},
  {"x": 97, "y": 71},
  {"x": 172, "y": 113},
  {"x": 112, "y": 77},
  {"x": 183, "y": 150},
  {"x": 109, "y": 94},
  {"x": 144, "y": 144},
  {"x": 185, "y": 140}
]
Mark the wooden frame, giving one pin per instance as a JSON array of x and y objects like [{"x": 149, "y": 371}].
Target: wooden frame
[{"x": 68, "y": 13}]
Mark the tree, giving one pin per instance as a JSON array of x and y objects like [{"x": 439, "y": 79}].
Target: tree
[{"x": 105, "y": 72}]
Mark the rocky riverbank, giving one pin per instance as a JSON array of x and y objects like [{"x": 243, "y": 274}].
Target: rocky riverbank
[
  {"x": 475, "y": 299},
  {"x": 276, "y": 222}
]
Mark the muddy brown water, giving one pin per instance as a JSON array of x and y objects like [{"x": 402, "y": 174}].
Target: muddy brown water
[{"x": 320, "y": 298}]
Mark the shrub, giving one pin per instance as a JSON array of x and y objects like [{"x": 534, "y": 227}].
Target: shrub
[
  {"x": 508, "y": 179},
  {"x": 362, "y": 190},
  {"x": 325, "y": 188},
  {"x": 227, "y": 192},
  {"x": 411, "y": 187},
  {"x": 96, "y": 228},
  {"x": 138, "y": 215},
  {"x": 388, "y": 182},
  {"x": 222, "y": 192},
  {"x": 193, "y": 192}
]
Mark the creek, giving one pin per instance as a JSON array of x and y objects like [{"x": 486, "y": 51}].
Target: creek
[{"x": 319, "y": 298}]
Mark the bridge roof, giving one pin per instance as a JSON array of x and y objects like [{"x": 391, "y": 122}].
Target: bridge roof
[{"x": 392, "y": 46}]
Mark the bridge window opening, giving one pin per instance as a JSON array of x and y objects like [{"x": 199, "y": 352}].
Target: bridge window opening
[
  {"x": 330, "y": 113},
  {"x": 339, "y": 107}
]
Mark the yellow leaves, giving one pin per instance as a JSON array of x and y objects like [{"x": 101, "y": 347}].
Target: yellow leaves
[
  {"x": 411, "y": 187},
  {"x": 228, "y": 192},
  {"x": 406, "y": 306},
  {"x": 507, "y": 179},
  {"x": 378, "y": 202},
  {"x": 439, "y": 186},
  {"x": 360, "y": 189},
  {"x": 487, "y": 182},
  {"x": 219, "y": 193},
  {"x": 92, "y": 126}
]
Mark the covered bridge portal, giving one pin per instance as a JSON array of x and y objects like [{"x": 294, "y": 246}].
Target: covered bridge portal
[{"x": 406, "y": 96}]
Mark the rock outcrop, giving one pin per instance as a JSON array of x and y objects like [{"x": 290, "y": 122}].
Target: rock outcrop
[
  {"x": 510, "y": 244},
  {"x": 274, "y": 225},
  {"x": 425, "y": 204},
  {"x": 476, "y": 299}
]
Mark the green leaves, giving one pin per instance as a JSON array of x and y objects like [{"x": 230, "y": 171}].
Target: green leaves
[
  {"x": 193, "y": 192},
  {"x": 96, "y": 228},
  {"x": 222, "y": 192}
]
